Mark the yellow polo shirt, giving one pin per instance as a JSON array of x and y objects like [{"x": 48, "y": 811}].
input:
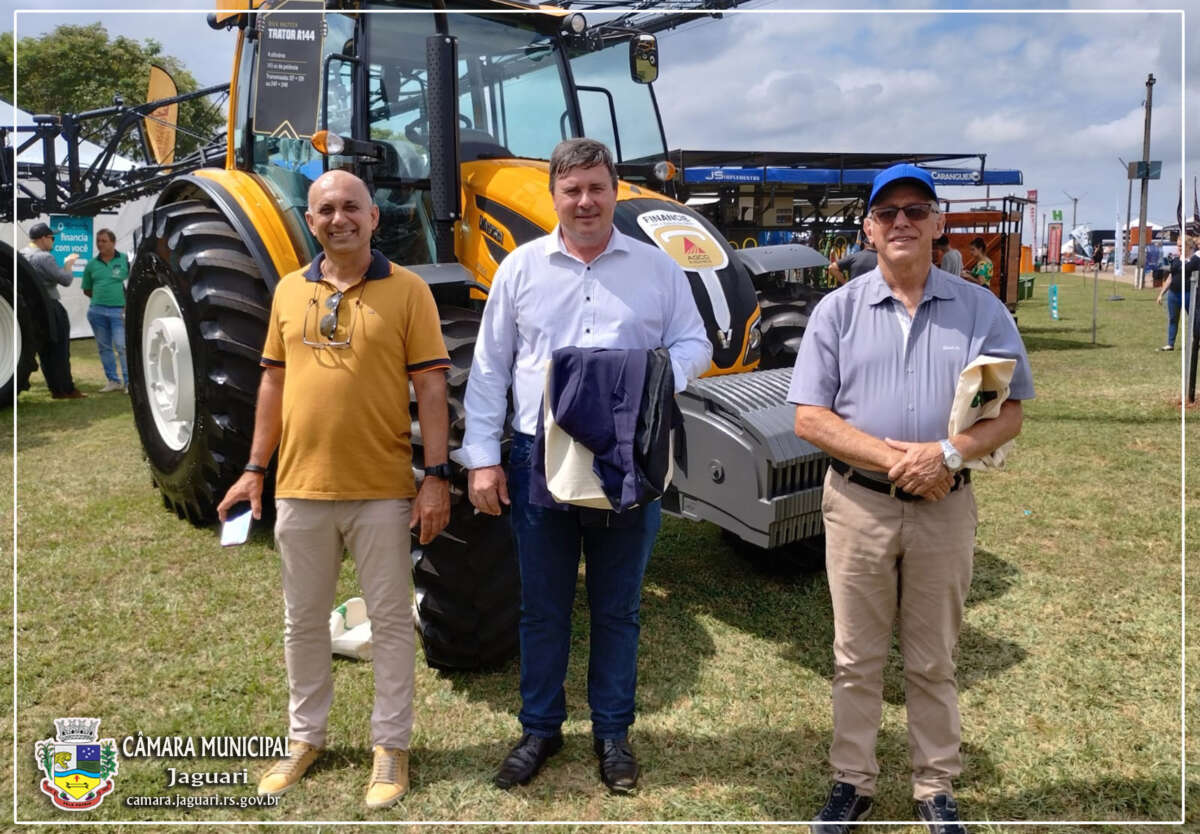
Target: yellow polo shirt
[{"x": 346, "y": 427}]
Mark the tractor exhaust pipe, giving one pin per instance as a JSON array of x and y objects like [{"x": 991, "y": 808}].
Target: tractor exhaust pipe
[{"x": 441, "y": 54}]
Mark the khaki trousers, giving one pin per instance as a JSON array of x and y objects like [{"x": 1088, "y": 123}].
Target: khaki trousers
[
  {"x": 312, "y": 536},
  {"x": 884, "y": 555}
]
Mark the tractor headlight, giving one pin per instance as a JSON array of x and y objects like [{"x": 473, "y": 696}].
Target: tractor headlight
[
  {"x": 664, "y": 170},
  {"x": 328, "y": 143},
  {"x": 753, "y": 342},
  {"x": 574, "y": 24}
]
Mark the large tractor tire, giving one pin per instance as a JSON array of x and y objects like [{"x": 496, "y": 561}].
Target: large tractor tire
[
  {"x": 466, "y": 583},
  {"x": 785, "y": 311},
  {"x": 196, "y": 315},
  {"x": 20, "y": 335},
  {"x": 782, "y": 326}
]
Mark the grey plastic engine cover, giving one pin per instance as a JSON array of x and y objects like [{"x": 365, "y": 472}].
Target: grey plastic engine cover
[{"x": 739, "y": 464}]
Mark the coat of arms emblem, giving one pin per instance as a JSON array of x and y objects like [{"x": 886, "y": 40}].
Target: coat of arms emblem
[{"x": 78, "y": 764}]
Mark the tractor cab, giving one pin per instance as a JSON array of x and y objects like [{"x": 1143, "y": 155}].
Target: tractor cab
[{"x": 412, "y": 95}]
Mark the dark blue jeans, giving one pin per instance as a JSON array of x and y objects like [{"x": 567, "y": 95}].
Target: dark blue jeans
[
  {"x": 1175, "y": 302},
  {"x": 548, "y": 546}
]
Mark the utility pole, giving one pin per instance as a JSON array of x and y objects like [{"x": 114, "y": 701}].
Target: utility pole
[
  {"x": 1140, "y": 277},
  {"x": 1128, "y": 207}
]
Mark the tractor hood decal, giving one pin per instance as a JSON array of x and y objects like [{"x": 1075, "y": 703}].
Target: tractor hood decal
[
  {"x": 691, "y": 246},
  {"x": 723, "y": 291},
  {"x": 683, "y": 238},
  {"x": 522, "y": 229}
]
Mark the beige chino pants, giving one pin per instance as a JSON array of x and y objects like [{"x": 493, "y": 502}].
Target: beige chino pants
[
  {"x": 885, "y": 556},
  {"x": 312, "y": 536}
]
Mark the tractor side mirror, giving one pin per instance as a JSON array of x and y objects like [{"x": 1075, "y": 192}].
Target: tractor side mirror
[{"x": 643, "y": 59}]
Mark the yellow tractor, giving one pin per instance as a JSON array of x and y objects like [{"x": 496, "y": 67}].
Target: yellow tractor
[{"x": 449, "y": 116}]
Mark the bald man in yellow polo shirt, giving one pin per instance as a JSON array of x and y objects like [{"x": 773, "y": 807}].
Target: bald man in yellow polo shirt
[{"x": 346, "y": 335}]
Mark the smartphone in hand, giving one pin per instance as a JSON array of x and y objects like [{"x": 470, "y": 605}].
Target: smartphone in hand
[{"x": 236, "y": 528}]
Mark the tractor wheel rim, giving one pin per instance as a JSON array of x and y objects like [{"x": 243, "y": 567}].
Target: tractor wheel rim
[
  {"x": 10, "y": 342},
  {"x": 167, "y": 363}
]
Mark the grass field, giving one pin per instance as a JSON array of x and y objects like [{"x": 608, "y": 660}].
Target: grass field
[{"x": 1069, "y": 667}]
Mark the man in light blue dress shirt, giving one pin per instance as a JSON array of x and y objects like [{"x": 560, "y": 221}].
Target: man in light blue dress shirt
[
  {"x": 874, "y": 383},
  {"x": 586, "y": 285}
]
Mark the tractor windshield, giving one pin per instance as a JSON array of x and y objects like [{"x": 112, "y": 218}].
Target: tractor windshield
[
  {"x": 615, "y": 110},
  {"x": 511, "y": 83}
]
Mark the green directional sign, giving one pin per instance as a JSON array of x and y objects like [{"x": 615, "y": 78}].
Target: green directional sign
[{"x": 1056, "y": 214}]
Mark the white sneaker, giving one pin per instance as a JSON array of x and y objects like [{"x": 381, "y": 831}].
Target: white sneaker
[{"x": 111, "y": 386}]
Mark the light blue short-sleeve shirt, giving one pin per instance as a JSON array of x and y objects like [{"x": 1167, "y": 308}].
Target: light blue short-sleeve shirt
[{"x": 891, "y": 376}]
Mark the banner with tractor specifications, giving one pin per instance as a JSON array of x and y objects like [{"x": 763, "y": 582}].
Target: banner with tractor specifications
[{"x": 287, "y": 83}]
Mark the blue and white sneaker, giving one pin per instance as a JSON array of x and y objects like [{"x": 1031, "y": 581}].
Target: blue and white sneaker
[
  {"x": 940, "y": 814},
  {"x": 844, "y": 806}
]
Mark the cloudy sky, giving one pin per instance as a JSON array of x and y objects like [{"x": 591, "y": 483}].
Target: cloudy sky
[{"x": 1058, "y": 95}]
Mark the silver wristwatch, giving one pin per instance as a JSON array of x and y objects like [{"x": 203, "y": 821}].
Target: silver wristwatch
[{"x": 951, "y": 456}]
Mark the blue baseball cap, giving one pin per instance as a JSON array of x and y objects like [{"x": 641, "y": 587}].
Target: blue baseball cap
[{"x": 900, "y": 173}]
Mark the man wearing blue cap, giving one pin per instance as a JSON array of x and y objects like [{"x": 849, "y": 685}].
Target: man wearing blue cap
[{"x": 874, "y": 382}]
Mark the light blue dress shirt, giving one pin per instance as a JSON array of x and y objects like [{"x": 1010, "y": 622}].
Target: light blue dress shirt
[
  {"x": 632, "y": 295},
  {"x": 891, "y": 376}
]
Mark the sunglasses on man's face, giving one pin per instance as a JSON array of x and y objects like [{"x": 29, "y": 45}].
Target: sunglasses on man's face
[{"x": 915, "y": 212}]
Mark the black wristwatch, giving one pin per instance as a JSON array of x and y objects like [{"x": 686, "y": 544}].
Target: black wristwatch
[{"x": 442, "y": 470}]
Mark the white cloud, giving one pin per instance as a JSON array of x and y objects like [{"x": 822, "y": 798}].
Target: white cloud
[
  {"x": 895, "y": 84},
  {"x": 998, "y": 128},
  {"x": 1115, "y": 136}
]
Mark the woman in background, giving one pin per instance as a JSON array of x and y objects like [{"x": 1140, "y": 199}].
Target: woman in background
[{"x": 983, "y": 269}]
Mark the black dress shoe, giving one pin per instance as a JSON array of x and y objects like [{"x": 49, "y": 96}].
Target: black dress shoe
[
  {"x": 524, "y": 761},
  {"x": 618, "y": 765}
]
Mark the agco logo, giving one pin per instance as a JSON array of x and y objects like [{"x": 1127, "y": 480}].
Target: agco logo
[{"x": 684, "y": 239}]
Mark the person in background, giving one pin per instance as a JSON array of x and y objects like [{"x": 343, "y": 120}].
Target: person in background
[
  {"x": 1153, "y": 261},
  {"x": 981, "y": 272},
  {"x": 103, "y": 282},
  {"x": 854, "y": 264},
  {"x": 1177, "y": 292},
  {"x": 951, "y": 258},
  {"x": 56, "y": 353}
]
